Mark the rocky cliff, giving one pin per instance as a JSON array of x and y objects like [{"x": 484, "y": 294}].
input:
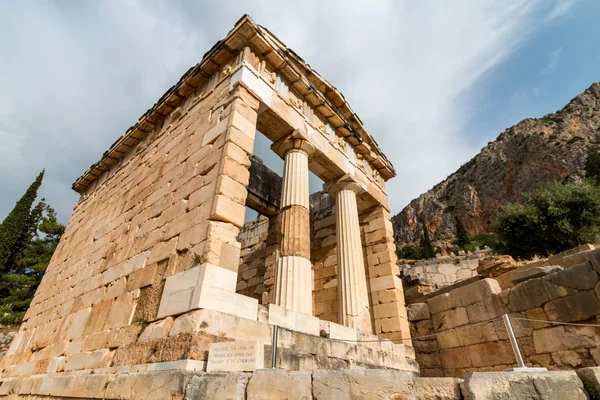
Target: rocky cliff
[{"x": 522, "y": 158}]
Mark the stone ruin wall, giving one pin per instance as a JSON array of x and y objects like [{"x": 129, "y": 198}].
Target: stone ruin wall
[
  {"x": 258, "y": 256},
  {"x": 324, "y": 256},
  {"x": 428, "y": 276},
  {"x": 568, "y": 293}
]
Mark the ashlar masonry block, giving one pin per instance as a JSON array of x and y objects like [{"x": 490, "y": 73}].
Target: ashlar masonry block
[{"x": 205, "y": 286}]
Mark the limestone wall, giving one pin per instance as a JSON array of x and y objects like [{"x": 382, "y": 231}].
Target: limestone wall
[
  {"x": 257, "y": 259},
  {"x": 173, "y": 202},
  {"x": 424, "y": 277},
  {"x": 565, "y": 295},
  {"x": 324, "y": 256}
]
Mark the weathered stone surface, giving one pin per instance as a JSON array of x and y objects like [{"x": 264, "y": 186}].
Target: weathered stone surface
[
  {"x": 492, "y": 353},
  {"x": 590, "y": 377},
  {"x": 576, "y": 307},
  {"x": 124, "y": 336},
  {"x": 450, "y": 319},
  {"x": 439, "y": 303},
  {"x": 558, "y": 339},
  {"x": 157, "y": 330},
  {"x": 148, "y": 385},
  {"x": 453, "y": 358},
  {"x": 515, "y": 385},
  {"x": 87, "y": 387},
  {"x": 486, "y": 309},
  {"x": 217, "y": 386},
  {"x": 279, "y": 384},
  {"x": 579, "y": 277},
  {"x": 474, "y": 292},
  {"x": 519, "y": 276},
  {"x": 527, "y": 295},
  {"x": 437, "y": 388},
  {"x": 295, "y": 222},
  {"x": 361, "y": 384},
  {"x": 477, "y": 334},
  {"x": 493, "y": 266},
  {"x": 418, "y": 311}
]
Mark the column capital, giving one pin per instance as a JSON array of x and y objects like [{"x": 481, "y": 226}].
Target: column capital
[
  {"x": 293, "y": 142},
  {"x": 333, "y": 187}
]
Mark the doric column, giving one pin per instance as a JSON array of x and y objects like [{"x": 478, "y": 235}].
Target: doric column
[
  {"x": 293, "y": 271},
  {"x": 353, "y": 297}
]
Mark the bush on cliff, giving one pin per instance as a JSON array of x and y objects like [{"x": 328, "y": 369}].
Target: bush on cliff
[
  {"x": 553, "y": 219},
  {"x": 592, "y": 167}
]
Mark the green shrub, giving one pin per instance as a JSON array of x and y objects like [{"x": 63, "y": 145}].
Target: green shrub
[
  {"x": 553, "y": 219},
  {"x": 592, "y": 167},
  {"x": 410, "y": 252}
]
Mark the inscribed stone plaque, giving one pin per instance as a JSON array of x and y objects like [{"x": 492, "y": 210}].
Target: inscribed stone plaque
[{"x": 235, "y": 356}]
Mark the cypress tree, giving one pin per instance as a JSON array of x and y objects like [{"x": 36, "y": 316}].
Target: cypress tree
[
  {"x": 428, "y": 250},
  {"x": 18, "y": 285},
  {"x": 17, "y": 226},
  {"x": 462, "y": 236}
]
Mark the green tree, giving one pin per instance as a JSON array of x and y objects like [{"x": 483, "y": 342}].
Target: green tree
[
  {"x": 553, "y": 219},
  {"x": 17, "y": 226},
  {"x": 410, "y": 252},
  {"x": 592, "y": 167},
  {"x": 462, "y": 236},
  {"x": 19, "y": 283},
  {"x": 428, "y": 250}
]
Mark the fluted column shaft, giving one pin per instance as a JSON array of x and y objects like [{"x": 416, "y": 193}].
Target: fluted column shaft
[
  {"x": 353, "y": 297},
  {"x": 293, "y": 271}
]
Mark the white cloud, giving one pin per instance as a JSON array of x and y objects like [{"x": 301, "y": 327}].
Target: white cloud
[
  {"x": 560, "y": 8},
  {"x": 77, "y": 78},
  {"x": 553, "y": 61}
]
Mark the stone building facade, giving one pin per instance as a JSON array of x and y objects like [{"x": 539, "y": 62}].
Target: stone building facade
[{"x": 147, "y": 272}]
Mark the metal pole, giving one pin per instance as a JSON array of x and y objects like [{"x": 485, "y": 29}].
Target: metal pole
[
  {"x": 274, "y": 350},
  {"x": 513, "y": 341}
]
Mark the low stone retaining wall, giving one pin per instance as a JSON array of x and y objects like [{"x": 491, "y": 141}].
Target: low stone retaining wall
[
  {"x": 566, "y": 295},
  {"x": 269, "y": 384},
  {"x": 424, "y": 277}
]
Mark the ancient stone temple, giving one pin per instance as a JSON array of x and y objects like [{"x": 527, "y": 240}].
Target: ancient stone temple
[{"x": 151, "y": 270}]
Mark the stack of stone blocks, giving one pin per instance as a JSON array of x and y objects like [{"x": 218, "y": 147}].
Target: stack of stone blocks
[
  {"x": 259, "y": 250},
  {"x": 424, "y": 277},
  {"x": 152, "y": 245},
  {"x": 542, "y": 292}
]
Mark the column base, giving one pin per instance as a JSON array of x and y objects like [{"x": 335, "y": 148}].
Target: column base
[{"x": 361, "y": 322}]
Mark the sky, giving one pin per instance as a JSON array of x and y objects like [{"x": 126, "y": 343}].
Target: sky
[{"x": 433, "y": 81}]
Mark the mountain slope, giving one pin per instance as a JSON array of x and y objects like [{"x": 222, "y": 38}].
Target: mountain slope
[{"x": 521, "y": 159}]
